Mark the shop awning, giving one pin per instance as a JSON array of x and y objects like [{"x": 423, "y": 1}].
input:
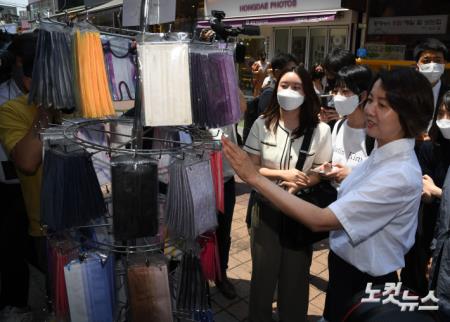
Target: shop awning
[
  {"x": 106, "y": 6},
  {"x": 285, "y": 19}
]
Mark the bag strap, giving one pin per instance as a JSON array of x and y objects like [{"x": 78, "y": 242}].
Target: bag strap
[
  {"x": 370, "y": 144},
  {"x": 339, "y": 125},
  {"x": 304, "y": 149}
]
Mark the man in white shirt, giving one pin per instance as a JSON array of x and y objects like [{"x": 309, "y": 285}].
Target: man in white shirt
[{"x": 431, "y": 56}]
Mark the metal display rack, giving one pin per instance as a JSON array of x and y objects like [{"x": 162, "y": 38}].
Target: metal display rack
[{"x": 132, "y": 143}]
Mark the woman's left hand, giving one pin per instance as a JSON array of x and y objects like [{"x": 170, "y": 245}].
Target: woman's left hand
[
  {"x": 239, "y": 161},
  {"x": 430, "y": 190},
  {"x": 338, "y": 174}
]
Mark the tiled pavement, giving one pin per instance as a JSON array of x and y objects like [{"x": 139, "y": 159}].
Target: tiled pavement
[{"x": 240, "y": 267}]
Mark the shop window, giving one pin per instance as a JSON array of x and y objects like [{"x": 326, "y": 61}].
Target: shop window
[
  {"x": 317, "y": 47},
  {"x": 338, "y": 38},
  {"x": 253, "y": 46},
  {"x": 281, "y": 41},
  {"x": 299, "y": 37}
]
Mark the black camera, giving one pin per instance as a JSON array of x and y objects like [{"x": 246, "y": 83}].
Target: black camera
[{"x": 224, "y": 31}]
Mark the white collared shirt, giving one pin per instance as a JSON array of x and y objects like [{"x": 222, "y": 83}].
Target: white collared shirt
[
  {"x": 377, "y": 206},
  {"x": 8, "y": 91},
  {"x": 280, "y": 151},
  {"x": 436, "y": 89},
  {"x": 349, "y": 146}
]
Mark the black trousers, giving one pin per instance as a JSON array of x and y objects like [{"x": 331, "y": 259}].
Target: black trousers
[
  {"x": 414, "y": 274},
  {"x": 225, "y": 219},
  {"x": 345, "y": 281},
  {"x": 14, "y": 247}
]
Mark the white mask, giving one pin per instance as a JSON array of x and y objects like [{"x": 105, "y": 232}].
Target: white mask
[
  {"x": 345, "y": 105},
  {"x": 432, "y": 71},
  {"x": 289, "y": 99},
  {"x": 444, "y": 126}
]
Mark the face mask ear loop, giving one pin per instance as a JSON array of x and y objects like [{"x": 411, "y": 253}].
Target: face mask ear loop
[{"x": 362, "y": 102}]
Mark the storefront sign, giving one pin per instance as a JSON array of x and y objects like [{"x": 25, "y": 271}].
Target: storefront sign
[
  {"x": 408, "y": 25},
  {"x": 247, "y": 8},
  {"x": 382, "y": 51},
  {"x": 277, "y": 20}
]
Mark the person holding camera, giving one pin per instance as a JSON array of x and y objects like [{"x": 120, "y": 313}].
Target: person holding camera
[
  {"x": 274, "y": 147},
  {"x": 259, "y": 71},
  {"x": 374, "y": 219}
]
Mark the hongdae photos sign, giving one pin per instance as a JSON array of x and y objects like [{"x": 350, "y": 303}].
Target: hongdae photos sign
[{"x": 247, "y": 8}]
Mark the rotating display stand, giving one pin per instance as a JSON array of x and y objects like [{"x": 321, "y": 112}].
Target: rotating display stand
[
  {"x": 119, "y": 134},
  {"x": 127, "y": 136}
]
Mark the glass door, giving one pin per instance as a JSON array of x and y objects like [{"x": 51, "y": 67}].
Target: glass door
[
  {"x": 317, "y": 45},
  {"x": 299, "y": 41},
  {"x": 281, "y": 41},
  {"x": 253, "y": 46}
]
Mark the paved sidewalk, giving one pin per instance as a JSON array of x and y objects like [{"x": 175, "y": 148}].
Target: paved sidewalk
[{"x": 240, "y": 267}]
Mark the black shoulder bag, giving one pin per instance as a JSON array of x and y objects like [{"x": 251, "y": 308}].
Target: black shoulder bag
[{"x": 293, "y": 234}]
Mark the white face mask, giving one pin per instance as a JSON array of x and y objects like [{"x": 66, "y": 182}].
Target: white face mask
[
  {"x": 444, "y": 126},
  {"x": 432, "y": 71},
  {"x": 289, "y": 99},
  {"x": 345, "y": 105}
]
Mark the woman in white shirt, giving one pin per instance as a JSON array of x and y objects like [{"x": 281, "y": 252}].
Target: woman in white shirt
[
  {"x": 274, "y": 145},
  {"x": 349, "y": 140},
  {"x": 374, "y": 219}
]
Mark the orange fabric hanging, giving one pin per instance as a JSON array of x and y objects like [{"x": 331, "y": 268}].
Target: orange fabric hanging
[{"x": 94, "y": 98}]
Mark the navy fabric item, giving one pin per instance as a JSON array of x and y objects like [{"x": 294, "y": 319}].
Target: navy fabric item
[
  {"x": 71, "y": 194},
  {"x": 52, "y": 84}
]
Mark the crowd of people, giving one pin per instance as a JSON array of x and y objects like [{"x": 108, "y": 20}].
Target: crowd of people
[
  {"x": 335, "y": 149},
  {"x": 381, "y": 143}
]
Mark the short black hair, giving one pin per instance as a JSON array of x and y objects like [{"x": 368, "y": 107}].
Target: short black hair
[
  {"x": 314, "y": 74},
  {"x": 281, "y": 60},
  {"x": 409, "y": 94},
  {"x": 430, "y": 44},
  {"x": 434, "y": 133},
  {"x": 24, "y": 46},
  {"x": 357, "y": 78},
  {"x": 337, "y": 59},
  {"x": 446, "y": 100}
]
